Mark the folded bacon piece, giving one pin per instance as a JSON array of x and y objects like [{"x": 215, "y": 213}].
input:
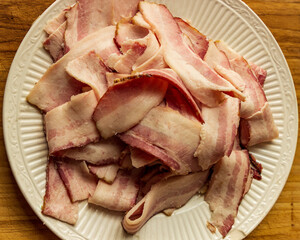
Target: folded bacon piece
[
  {"x": 258, "y": 128},
  {"x": 79, "y": 182},
  {"x": 54, "y": 44},
  {"x": 57, "y": 203},
  {"x": 139, "y": 20},
  {"x": 161, "y": 134},
  {"x": 111, "y": 77},
  {"x": 71, "y": 125},
  {"x": 141, "y": 92},
  {"x": 198, "y": 40},
  {"x": 170, "y": 193},
  {"x": 219, "y": 132},
  {"x": 259, "y": 72},
  {"x": 105, "y": 151},
  {"x": 226, "y": 189},
  {"x": 124, "y": 10},
  {"x": 121, "y": 194},
  {"x": 140, "y": 158},
  {"x": 203, "y": 82},
  {"x": 218, "y": 61},
  {"x": 107, "y": 173},
  {"x": 56, "y": 86},
  {"x": 89, "y": 69},
  {"x": 53, "y": 24}
]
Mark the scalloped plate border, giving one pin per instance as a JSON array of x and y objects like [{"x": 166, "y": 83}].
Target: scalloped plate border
[{"x": 11, "y": 111}]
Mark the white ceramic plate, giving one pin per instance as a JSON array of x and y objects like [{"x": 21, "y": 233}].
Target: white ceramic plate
[{"x": 229, "y": 20}]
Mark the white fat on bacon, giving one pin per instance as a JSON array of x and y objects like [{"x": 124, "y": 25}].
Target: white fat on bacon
[
  {"x": 53, "y": 24},
  {"x": 226, "y": 189},
  {"x": 140, "y": 158},
  {"x": 121, "y": 194},
  {"x": 57, "y": 203},
  {"x": 141, "y": 93},
  {"x": 106, "y": 173},
  {"x": 173, "y": 192},
  {"x": 219, "y": 132},
  {"x": 56, "y": 86},
  {"x": 202, "y": 81},
  {"x": 80, "y": 183},
  {"x": 71, "y": 125},
  {"x": 161, "y": 134}
]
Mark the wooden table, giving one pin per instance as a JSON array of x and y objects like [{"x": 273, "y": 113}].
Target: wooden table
[{"x": 18, "y": 221}]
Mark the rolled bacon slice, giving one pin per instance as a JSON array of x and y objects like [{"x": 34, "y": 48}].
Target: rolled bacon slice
[
  {"x": 203, "y": 82},
  {"x": 173, "y": 192},
  {"x": 71, "y": 125},
  {"x": 161, "y": 134},
  {"x": 57, "y": 203},
  {"x": 198, "y": 40},
  {"x": 258, "y": 128},
  {"x": 219, "y": 132},
  {"x": 89, "y": 69},
  {"x": 77, "y": 179},
  {"x": 121, "y": 194},
  {"x": 106, "y": 173},
  {"x": 105, "y": 151},
  {"x": 54, "y": 44},
  {"x": 56, "y": 87},
  {"x": 226, "y": 189},
  {"x": 141, "y": 92}
]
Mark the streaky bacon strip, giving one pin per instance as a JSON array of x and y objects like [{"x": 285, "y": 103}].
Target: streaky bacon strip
[
  {"x": 121, "y": 194},
  {"x": 89, "y": 69},
  {"x": 203, "y": 82},
  {"x": 53, "y": 24},
  {"x": 77, "y": 179},
  {"x": 106, "y": 173},
  {"x": 57, "y": 203},
  {"x": 219, "y": 132},
  {"x": 184, "y": 101},
  {"x": 85, "y": 18},
  {"x": 170, "y": 193},
  {"x": 56, "y": 86},
  {"x": 160, "y": 134},
  {"x": 140, "y": 158},
  {"x": 141, "y": 92},
  {"x": 226, "y": 189},
  {"x": 71, "y": 125},
  {"x": 198, "y": 40},
  {"x": 105, "y": 151},
  {"x": 54, "y": 44},
  {"x": 218, "y": 61},
  {"x": 258, "y": 128}
]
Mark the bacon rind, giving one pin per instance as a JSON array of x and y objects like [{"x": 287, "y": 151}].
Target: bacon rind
[
  {"x": 170, "y": 193},
  {"x": 57, "y": 202}
]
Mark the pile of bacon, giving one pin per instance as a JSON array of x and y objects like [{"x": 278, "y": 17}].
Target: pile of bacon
[{"x": 141, "y": 111}]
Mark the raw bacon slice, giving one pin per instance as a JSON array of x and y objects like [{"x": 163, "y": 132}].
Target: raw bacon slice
[
  {"x": 203, "y": 82},
  {"x": 53, "y": 24},
  {"x": 198, "y": 40},
  {"x": 57, "y": 203},
  {"x": 217, "y": 60},
  {"x": 77, "y": 179},
  {"x": 139, "y": 20},
  {"x": 105, "y": 151},
  {"x": 183, "y": 100},
  {"x": 161, "y": 134},
  {"x": 121, "y": 194},
  {"x": 86, "y": 17},
  {"x": 140, "y": 158},
  {"x": 141, "y": 92},
  {"x": 258, "y": 128},
  {"x": 226, "y": 189},
  {"x": 54, "y": 44},
  {"x": 56, "y": 86},
  {"x": 71, "y": 125},
  {"x": 89, "y": 69},
  {"x": 259, "y": 72},
  {"x": 107, "y": 173},
  {"x": 170, "y": 193},
  {"x": 219, "y": 132},
  {"x": 124, "y": 10}
]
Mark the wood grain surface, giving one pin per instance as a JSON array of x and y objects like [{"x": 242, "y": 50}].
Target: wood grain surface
[{"x": 18, "y": 221}]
